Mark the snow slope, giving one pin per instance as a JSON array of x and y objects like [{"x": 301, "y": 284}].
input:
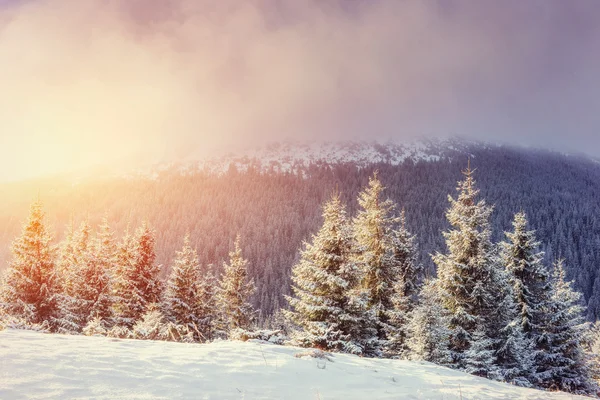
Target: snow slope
[
  {"x": 40, "y": 366},
  {"x": 298, "y": 156}
]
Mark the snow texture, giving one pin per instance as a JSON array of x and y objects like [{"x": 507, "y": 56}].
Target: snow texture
[{"x": 42, "y": 366}]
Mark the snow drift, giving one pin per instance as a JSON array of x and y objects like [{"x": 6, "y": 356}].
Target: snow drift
[{"x": 42, "y": 366}]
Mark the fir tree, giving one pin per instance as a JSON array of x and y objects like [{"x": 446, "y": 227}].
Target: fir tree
[
  {"x": 562, "y": 363},
  {"x": 188, "y": 299},
  {"x": 330, "y": 312},
  {"x": 479, "y": 358},
  {"x": 403, "y": 259},
  {"x": 373, "y": 251},
  {"x": 106, "y": 247},
  {"x": 137, "y": 284},
  {"x": 531, "y": 291},
  {"x": 513, "y": 350},
  {"x": 235, "y": 291},
  {"x": 527, "y": 274},
  {"x": 31, "y": 287},
  {"x": 427, "y": 330},
  {"x": 466, "y": 276}
]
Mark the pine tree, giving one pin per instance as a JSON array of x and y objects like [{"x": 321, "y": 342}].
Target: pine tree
[
  {"x": 94, "y": 282},
  {"x": 466, "y": 273},
  {"x": 331, "y": 313},
  {"x": 137, "y": 284},
  {"x": 479, "y": 358},
  {"x": 373, "y": 251},
  {"x": 235, "y": 291},
  {"x": 427, "y": 330},
  {"x": 531, "y": 292},
  {"x": 513, "y": 350},
  {"x": 403, "y": 258},
  {"x": 105, "y": 246},
  {"x": 31, "y": 288},
  {"x": 188, "y": 298},
  {"x": 527, "y": 274},
  {"x": 562, "y": 363},
  {"x": 104, "y": 266}
]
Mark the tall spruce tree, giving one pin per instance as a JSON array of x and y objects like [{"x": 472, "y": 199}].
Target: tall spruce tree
[
  {"x": 562, "y": 363},
  {"x": 406, "y": 285},
  {"x": 234, "y": 292},
  {"x": 31, "y": 288},
  {"x": 188, "y": 299},
  {"x": 137, "y": 282},
  {"x": 92, "y": 289},
  {"x": 530, "y": 288},
  {"x": 528, "y": 276},
  {"x": 329, "y": 309},
  {"x": 427, "y": 330},
  {"x": 373, "y": 251},
  {"x": 465, "y": 272}
]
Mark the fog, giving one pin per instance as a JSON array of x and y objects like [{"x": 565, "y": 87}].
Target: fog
[{"x": 88, "y": 83}]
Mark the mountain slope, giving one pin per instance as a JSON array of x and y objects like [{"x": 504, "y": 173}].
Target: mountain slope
[
  {"x": 35, "y": 366},
  {"x": 275, "y": 211}
]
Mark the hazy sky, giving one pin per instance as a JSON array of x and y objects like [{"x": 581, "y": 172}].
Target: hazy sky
[{"x": 87, "y": 82}]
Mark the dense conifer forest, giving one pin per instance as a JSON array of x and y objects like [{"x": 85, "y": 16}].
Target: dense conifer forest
[{"x": 274, "y": 212}]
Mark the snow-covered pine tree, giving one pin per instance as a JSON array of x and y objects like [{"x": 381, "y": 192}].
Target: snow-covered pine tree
[
  {"x": 93, "y": 282},
  {"x": 372, "y": 228},
  {"x": 137, "y": 282},
  {"x": 562, "y": 363},
  {"x": 188, "y": 299},
  {"x": 513, "y": 350},
  {"x": 527, "y": 274},
  {"x": 327, "y": 307},
  {"x": 465, "y": 273},
  {"x": 31, "y": 289},
  {"x": 105, "y": 246},
  {"x": 403, "y": 258},
  {"x": 234, "y": 292},
  {"x": 594, "y": 352},
  {"x": 427, "y": 330},
  {"x": 480, "y": 359},
  {"x": 530, "y": 289},
  {"x": 105, "y": 251}
]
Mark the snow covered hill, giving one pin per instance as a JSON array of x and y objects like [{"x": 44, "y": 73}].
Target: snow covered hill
[
  {"x": 40, "y": 366},
  {"x": 297, "y": 156}
]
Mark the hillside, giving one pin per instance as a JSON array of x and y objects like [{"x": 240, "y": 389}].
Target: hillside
[
  {"x": 275, "y": 208},
  {"x": 39, "y": 366}
]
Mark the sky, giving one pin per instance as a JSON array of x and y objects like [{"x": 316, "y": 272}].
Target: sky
[{"x": 86, "y": 83}]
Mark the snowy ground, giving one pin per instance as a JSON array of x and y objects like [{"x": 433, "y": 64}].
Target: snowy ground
[{"x": 39, "y": 366}]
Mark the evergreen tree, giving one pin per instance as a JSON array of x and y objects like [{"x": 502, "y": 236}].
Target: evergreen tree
[
  {"x": 327, "y": 307},
  {"x": 373, "y": 249},
  {"x": 427, "y": 330},
  {"x": 513, "y": 350},
  {"x": 466, "y": 276},
  {"x": 31, "y": 287},
  {"x": 105, "y": 246},
  {"x": 188, "y": 299},
  {"x": 562, "y": 363},
  {"x": 235, "y": 291},
  {"x": 479, "y": 358},
  {"x": 527, "y": 274},
  {"x": 403, "y": 258},
  {"x": 137, "y": 284}
]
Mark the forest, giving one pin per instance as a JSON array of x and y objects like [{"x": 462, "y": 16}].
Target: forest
[
  {"x": 495, "y": 310},
  {"x": 275, "y": 212}
]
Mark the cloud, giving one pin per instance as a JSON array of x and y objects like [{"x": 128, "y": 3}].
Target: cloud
[{"x": 89, "y": 82}]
